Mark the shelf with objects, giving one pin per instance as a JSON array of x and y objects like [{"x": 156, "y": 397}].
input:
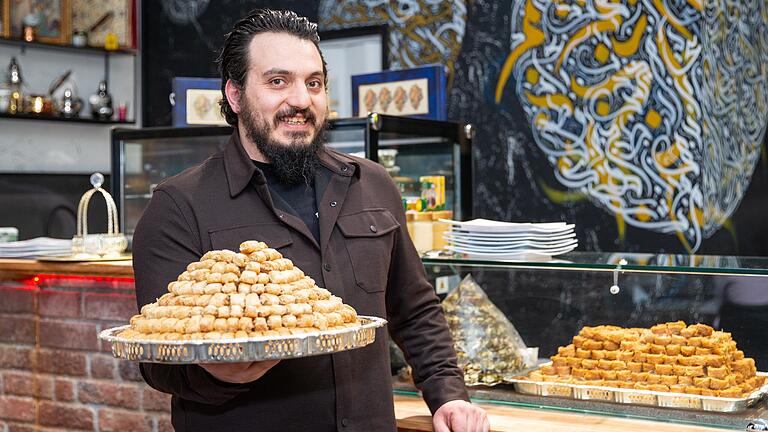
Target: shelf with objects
[
  {"x": 141, "y": 158},
  {"x": 57, "y": 45},
  {"x": 66, "y": 62},
  {"x": 23, "y": 99},
  {"x": 66, "y": 48},
  {"x": 675, "y": 338}
]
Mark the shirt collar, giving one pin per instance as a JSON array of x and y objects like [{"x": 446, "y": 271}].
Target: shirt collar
[
  {"x": 240, "y": 170},
  {"x": 238, "y": 165}
]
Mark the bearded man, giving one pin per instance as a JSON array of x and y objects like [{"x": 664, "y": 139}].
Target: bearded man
[{"x": 338, "y": 217}]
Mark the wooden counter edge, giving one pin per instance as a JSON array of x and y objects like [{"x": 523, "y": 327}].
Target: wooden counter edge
[
  {"x": 22, "y": 268},
  {"x": 413, "y": 415}
]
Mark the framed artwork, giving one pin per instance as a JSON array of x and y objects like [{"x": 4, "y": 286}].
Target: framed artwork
[
  {"x": 348, "y": 52},
  {"x": 100, "y": 17},
  {"x": 418, "y": 92},
  {"x": 5, "y": 23},
  {"x": 52, "y": 18},
  {"x": 196, "y": 102}
]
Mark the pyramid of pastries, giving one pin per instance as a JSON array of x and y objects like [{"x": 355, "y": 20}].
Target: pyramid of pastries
[
  {"x": 670, "y": 357},
  {"x": 226, "y": 295}
]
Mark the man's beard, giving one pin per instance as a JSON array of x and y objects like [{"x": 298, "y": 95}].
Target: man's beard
[{"x": 295, "y": 162}]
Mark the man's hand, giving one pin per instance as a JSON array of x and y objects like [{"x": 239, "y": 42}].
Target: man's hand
[
  {"x": 239, "y": 373},
  {"x": 460, "y": 416}
]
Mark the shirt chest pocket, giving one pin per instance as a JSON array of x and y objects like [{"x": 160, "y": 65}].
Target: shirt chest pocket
[
  {"x": 369, "y": 238},
  {"x": 274, "y": 235}
]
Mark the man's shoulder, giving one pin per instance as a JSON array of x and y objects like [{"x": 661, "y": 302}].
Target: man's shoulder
[{"x": 195, "y": 179}]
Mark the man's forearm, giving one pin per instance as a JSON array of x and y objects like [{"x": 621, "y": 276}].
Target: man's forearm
[{"x": 189, "y": 382}]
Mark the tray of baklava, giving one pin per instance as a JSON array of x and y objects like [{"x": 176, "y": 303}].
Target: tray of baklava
[
  {"x": 670, "y": 365},
  {"x": 250, "y": 305}
]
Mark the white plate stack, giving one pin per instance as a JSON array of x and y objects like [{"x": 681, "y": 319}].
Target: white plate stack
[
  {"x": 488, "y": 239},
  {"x": 37, "y": 247}
]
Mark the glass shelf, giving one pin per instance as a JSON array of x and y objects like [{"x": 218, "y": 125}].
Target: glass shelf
[
  {"x": 70, "y": 48},
  {"x": 609, "y": 261},
  {"x": 63, "y": 119}
]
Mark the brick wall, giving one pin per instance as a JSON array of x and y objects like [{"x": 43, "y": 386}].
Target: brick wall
[{"x": 55, "y": 375}]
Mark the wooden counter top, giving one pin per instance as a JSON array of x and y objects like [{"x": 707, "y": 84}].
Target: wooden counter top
[
  {"x": 19, "y": 268},
  {"x": 413, "y": 416}
]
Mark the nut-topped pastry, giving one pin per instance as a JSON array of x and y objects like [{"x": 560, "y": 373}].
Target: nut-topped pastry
[
  {"x": 669, "y": 357},
  {"x": 227, "y": 295}
]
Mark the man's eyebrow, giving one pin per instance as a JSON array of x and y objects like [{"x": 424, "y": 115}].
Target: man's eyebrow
[{"x": 276, "y": 71}]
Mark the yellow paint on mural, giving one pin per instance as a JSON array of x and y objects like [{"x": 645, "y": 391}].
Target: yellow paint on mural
[
  {"x": 550, "y": 100},
  {"x": 629, "y": 47},
  {"x": 643, "y": 214},
  {"x": 585, "y": 33},
  {"x": 672, "y": 19},
  {"x": 653, "y": 118},
  {"x": 560, "y": 197},
  {"x": 602, "y": 107},
  {"x": 668, "y": 157},
  {"x": 532, "y": 75},
  {"x": 602, "y": 53},
  {"x": 696, "y": 4},
  {"x": 621, "y": 227},
  {"x": 533, "y": 38}
]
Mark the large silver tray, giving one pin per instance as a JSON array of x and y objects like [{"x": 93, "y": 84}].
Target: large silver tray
[
  {"x": 639, "y": 397},
  {"x": 243, "y": 350}
]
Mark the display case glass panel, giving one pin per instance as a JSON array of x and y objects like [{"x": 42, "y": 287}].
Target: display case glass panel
[
  {"x": 417, "y": 153},
  {"x": 142, "y": 158},
  {"x": 549, "y": 302}
]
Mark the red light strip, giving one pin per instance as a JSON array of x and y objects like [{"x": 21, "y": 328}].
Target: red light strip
[{"x": 42, "y": 278}]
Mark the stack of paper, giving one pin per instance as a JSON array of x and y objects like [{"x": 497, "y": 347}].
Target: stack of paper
[
  {"x": 41, "y": 246},
  {"x": 488, "y": 239}
]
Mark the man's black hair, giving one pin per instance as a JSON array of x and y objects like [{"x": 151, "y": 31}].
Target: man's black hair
[{"x": 233, "y": 59}]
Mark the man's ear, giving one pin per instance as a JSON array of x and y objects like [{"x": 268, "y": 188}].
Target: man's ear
[{"x": 233, "y": 96}]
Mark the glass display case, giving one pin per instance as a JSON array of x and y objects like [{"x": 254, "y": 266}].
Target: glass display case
[
  {"x": 411, "y": 149},
  {"x": 549, "y": 302},
  {"x": 414, "y": 152},
  {"x": 142, "y": 158}
]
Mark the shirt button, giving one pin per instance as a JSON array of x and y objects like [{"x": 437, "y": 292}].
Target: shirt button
[
  {"x": 345, "y": 422},
  {"x": 280, "y": 215},
  {"x": 344, "y": 168},
  {"x": 334, "y": 203},
  {"x": 327, "y": 267},
  {"x": 373, "y": 228}
]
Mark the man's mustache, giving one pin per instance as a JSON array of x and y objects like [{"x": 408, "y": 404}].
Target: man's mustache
[{"x": 292, "y": 112}]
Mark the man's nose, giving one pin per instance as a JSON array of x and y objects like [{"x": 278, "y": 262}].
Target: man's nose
[{"x": 299, "y": 96}]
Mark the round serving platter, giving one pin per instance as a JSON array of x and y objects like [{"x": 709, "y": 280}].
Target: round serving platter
[{"x": 243, "y": 350}]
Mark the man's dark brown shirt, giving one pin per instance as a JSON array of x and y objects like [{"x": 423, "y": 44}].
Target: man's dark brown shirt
[{"x": 364, "y": 256}]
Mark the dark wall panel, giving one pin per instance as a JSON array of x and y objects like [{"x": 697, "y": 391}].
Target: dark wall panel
[{"x": 182, "y": 38}]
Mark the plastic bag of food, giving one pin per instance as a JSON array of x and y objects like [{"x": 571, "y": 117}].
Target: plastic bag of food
[{"x": 489, "y": 348}]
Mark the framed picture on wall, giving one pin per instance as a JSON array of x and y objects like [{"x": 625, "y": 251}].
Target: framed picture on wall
[
  {"x": 51, "y": 18},
  {"x": 417, "y": 92},
  {"x": 5, "y": 25},
  {"x": 350, "y": 52},
  {"x": 196, "y": 102},
  {"x": 100, "y": 17}
]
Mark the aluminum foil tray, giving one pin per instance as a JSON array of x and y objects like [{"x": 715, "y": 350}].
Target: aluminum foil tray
[
  {"x": 243, "y": 350},
  {"x": 639, "y": 397}
]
